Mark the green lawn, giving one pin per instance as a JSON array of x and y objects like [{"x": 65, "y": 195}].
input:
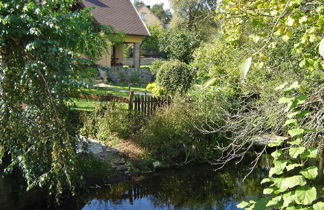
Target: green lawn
[{"x": 89, "y": 105}]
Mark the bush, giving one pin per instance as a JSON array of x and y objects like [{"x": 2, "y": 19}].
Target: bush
[
  {"x": 155, "y": 89},
  {"x": 175, "y": 77},
  {"x": 109, "y": 120},
  {"x": 179, "y": 45},
  {"x": 174, "y": 134},
  {"x": 93, "y": 168},
  {"x": 156, "y": 65}
]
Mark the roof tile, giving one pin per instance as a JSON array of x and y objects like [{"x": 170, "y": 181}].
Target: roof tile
[{"x": 120, "y": 14}]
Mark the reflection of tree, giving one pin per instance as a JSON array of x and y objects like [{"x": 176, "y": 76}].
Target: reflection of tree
[{"x": 197, "y": 187}]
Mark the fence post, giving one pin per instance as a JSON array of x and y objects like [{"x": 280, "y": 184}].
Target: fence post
[
  {"x": 143, "y": 103},
  {"x": 131, "y": 96}
]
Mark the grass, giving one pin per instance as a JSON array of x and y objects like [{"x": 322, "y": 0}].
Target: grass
[{"x": 89, "y": 104}]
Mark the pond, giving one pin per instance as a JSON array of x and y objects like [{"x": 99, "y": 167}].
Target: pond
[{"x": 195, "y": 187}]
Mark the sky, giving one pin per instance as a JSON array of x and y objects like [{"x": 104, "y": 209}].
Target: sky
[{"x": 152, "y": 2}]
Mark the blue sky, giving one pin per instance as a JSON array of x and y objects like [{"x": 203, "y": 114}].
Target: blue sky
[{"x": 152, "y": 2}]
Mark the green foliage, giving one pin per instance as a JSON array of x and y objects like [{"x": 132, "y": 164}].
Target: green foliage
[
  {"x": 195, "y": 16},
  {"x": 156, "y": 65},
  {"x": 151, "y": 44},
  {"x": 108, "y": 120},
  {"x": 218, "y": 60},
  {"x": 179, "y": 45},
  {"x": 164, "y": 15},
  {"x": 290, "y": 180},
  {"x": 93, "y": 168},
  {"x": 173, "y": 134},
  {"x": 175, "y": 77},
  {"x": 40, "y": 48},
  {"x": 155, "y": 89}
]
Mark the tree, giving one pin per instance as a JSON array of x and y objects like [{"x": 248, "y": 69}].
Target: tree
[
  {"x": 192, "y": 15},
  {"x": 151, "y": 44},
  {"x": 40, "y": 48},
  {"x": 164, "y": 15},
  {"x": 179, "y": 45},
  {"x": 138, "y": 3}
]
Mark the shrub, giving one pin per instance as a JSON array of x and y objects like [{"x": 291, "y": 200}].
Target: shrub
[
  {"x": 93, "y": 168},
  {"x": 156, "y": 65},
  {"x": 155, "y": 89},
  {"x": 179, "y": 45},
  {"x": 175, "y": 77},
  {"x": 174, "y": 134},
  {"x": 109, "y": 120}
]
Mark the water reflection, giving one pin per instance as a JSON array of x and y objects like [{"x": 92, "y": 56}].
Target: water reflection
[{"x": 198, "y": 187}]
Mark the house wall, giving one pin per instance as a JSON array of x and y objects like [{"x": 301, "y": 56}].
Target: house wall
[
  {"x": 119, "y": 53},
  {"x": 134, "y": 39},
  {"x": 105, "y": 60},
  {"x": 148, "y": 16}
]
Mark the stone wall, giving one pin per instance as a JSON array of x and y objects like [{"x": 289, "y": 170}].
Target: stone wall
[
  {"x": 144, "y": 61},
  {"x": 121, "y": 74}
]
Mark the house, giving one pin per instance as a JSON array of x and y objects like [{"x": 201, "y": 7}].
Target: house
[
  {"x": 123, "y": 17},
  {"x": 146, "y": 14}
]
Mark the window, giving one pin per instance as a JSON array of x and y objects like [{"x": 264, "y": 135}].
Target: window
[{"x": 143, "y": 15}]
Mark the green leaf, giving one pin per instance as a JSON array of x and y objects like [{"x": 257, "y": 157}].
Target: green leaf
[
  {"x": 209, "y": 83},
  {"x": 245, "y": 67},
  {"x": 242, "y": 205},
  {"x": 310, "y": 173},
  {"x": 277, "y": 182},
  {"x": 294, "y": 86},
  {"x": 318, "y": 206},
  {"x": 321, "y": 48},
  {"x": 276, "y": 154},
  {"x": 290, "y": 21},
  {"x": 267, "y": 191},
  {"x": 279, "y": 167},
  {"x": 305, "y": 195},
  {"x": 303, "y": 114},
  {"x": 301, "y": 99},
  {"x": 285, "y": 100},
  {"x": 281, "y": 86},
  {"x": 288, "y": 198},
  {"x": 298, "y": 141},
  {"x": 261, "y": 203},
  {"x": 291, "y": 122},
  {"x": 274, "y": 201},
  {"x": 265, "y": 180},
  {"x": 277, "y": 143},
  {"x": 293, "y": 166},
  {"x": 294, "y": 152},
  {"x": 296, "y": 132},
  {"x": 293, "y": 114},
  {"x": 291, "y": 182},
  {"x": 309, "y": 153}
]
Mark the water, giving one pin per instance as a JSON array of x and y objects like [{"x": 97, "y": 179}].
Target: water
[{"x": 196, "y": 187}]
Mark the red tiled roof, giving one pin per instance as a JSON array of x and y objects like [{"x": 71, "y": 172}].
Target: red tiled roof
[{"x": 120, "y": 14}]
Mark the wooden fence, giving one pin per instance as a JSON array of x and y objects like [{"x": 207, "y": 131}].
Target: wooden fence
[{"x": 147, "y": 105}]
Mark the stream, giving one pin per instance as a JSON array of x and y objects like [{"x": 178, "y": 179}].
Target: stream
[{"x": 195, "y": 187}]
